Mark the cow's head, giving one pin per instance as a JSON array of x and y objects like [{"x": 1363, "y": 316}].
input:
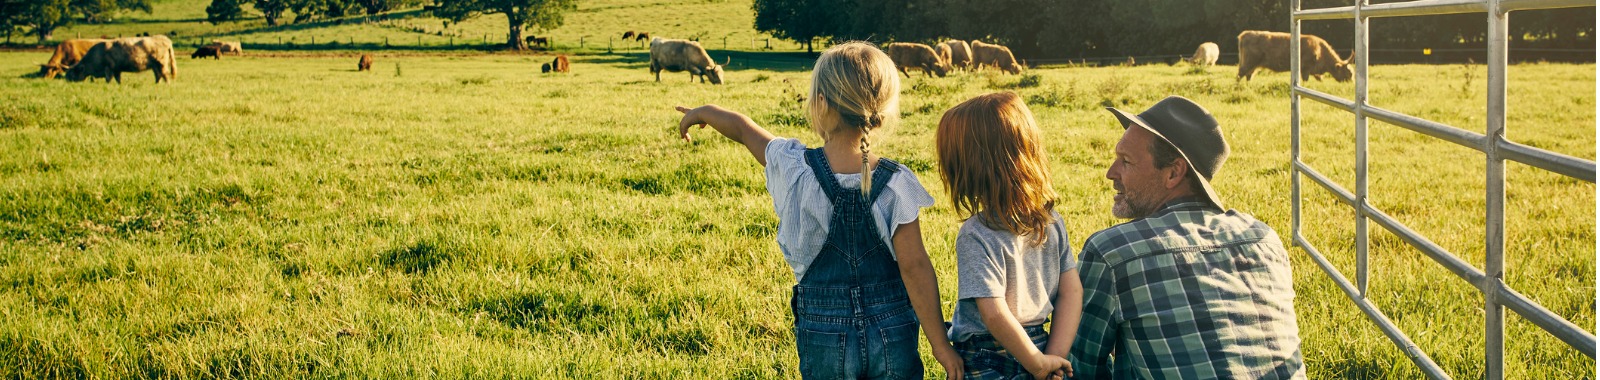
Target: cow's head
[
  {"x": 715, "y": 72},
  {"x": 1012, "y": 68},
  {"x": 49, "y": 71},
  {"x": 1342, "y": 71},
  {"x": 77, "y": 73},
  {"x": 941, "y": 69}
]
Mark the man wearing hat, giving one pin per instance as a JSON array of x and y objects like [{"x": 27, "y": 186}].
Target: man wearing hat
[{"x": 1187, "y": 288}]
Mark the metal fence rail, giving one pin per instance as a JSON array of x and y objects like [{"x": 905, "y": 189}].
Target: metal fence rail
[{"x": 1490, "y": 281}]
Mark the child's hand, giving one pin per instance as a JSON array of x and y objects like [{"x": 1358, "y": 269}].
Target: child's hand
[
  {"x": 1048, "y": 367},
  {"x": 691, "y": 117},
  {"x": 954, "y": 368}
]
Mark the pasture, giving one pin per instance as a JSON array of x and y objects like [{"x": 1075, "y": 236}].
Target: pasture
[{"x": 463, "y": 215}]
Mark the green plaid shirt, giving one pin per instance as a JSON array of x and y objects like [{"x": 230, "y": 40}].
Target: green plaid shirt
[{"x": 1188, "y": 292}]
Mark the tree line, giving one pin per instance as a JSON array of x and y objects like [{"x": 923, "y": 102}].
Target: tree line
[{"x": 1117, "y": 28}]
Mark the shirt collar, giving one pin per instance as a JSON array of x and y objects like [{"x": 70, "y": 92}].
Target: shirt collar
[{"x": 1185, "y": 203}]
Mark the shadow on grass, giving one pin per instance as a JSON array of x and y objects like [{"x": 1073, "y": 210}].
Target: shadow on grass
[{"x": 736, "y": 60}]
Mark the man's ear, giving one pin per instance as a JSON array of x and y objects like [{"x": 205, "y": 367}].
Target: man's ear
[{"x": 1176, "y": 173}]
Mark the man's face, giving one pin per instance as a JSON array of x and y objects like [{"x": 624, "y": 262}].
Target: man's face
[{"x": 1140, "y": 185}]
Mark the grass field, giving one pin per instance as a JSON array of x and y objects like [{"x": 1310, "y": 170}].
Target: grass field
[{"x": 461, "y": 215}]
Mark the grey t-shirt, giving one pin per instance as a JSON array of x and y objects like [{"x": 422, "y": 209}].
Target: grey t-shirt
[{"x": 991, "y": 263}]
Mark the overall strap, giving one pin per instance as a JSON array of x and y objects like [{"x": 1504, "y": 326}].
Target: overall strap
[
  {"x": 819, "y": 167},
  {"x": 830, "y": 185}
]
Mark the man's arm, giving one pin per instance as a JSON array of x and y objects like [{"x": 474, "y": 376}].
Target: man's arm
[{"x": 1098, "y": 331}]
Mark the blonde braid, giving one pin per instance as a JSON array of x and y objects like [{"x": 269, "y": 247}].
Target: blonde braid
[{"x": 866, "y": 149}]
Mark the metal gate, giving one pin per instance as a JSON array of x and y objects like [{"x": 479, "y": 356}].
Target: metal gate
[{"x": 1494, "y": 146}]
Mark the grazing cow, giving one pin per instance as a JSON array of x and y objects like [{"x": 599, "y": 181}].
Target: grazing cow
[
  {"x": 682, "y": 55},
  {"x": 545, "y": 68},
  {"x": 1258, "y": 49},
  {"x": 560, "y": 64},
  {"x": 228, "y": 47},
  {"x": 537, "y": 41},
  {"x": 1205, "y": 55},
  {"x": 943, "y": 51},
  {"x": 206, "y": 51},
  {"x": 68, "y": 53},
  {"x": 998, "y": 56},
  {"x": 960, "y": 53},
  {"x": 642, "y": 36},
  {"x": 911, "y": 55},
  {"x": 628, "y": 35},
  {"x": 134, "y": 54},
  {"x": 365, "y": 64}
]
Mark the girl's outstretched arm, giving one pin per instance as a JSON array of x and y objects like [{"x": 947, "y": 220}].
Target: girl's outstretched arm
[
  {"x": 922, "y": 286},
  {"x": 733, "y": 125}
]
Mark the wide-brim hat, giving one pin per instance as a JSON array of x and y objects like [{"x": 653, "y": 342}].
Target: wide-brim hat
[{"x": 1190, "y": 128}]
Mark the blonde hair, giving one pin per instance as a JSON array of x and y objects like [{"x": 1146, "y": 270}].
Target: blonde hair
[
  {"x": 994, "y": 166},
  {"x": 858, "y": 86}
]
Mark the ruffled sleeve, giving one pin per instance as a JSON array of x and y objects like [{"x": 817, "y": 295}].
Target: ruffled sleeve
[
  {"x": 786, "y": 164},
  {"x": 798, "y": 201},
  {"x": 899, "y": 204}
]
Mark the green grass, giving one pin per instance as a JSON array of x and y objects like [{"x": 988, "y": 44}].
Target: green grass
[
  {"x": 289, "y": 217},
  {"x": 462, "y": 215}
]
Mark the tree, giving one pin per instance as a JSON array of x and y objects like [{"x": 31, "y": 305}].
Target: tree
[
  {"x": 10, "y": 17},
  {"x": 544, "y": 14},
  {"x": 272, "y": 9},
  {"x": 374, "y": 7},
  {"x": 223, "y": 10},
  {"x": 97, "y": 11},
  {"x": 44, "y": 16},
  {"x": 801, "y": 21}
]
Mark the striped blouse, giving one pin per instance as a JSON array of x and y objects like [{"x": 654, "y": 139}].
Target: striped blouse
[{"x": 803, "y": 209}]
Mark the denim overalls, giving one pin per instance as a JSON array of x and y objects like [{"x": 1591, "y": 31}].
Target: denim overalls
[{"x": 852, "y": 316}]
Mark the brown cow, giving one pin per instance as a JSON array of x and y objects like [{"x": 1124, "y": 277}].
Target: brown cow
[
  {"x": 1270, "y": 50},
  {"x": 228, "y": 47},
  {"x": 206, "y": 51},
  {"x": 960, "y": 53},
  {"x": 911, "y": 55},
  {"x": 998, "y": 56},
  {"x": 365, "y": 64},
  {"x": 943, "y": 51},
  {"x": 68, "y": 53},
  {"x": 683, "y": 55},
  {"x": 628, "y": 35},
  {"x": 560, "y": 64},
  {"x": 642, "y": 36},
  {"x": 133, "y": 54}
]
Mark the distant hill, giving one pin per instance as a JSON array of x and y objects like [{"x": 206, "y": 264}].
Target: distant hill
[{"x": 594, "y": 26}]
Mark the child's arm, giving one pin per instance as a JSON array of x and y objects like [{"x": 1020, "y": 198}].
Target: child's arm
[
  {"x": 1069, "y": 310},
  {"x": 922, "y": 286},
  {"x": 1005, "y": 329},
  {"x": 733, "y": 125}
]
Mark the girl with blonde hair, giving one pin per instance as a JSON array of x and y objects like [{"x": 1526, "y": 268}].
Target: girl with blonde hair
[
  {"x": 847, "y": 224},
  {"x": 1014, "y": 264}
]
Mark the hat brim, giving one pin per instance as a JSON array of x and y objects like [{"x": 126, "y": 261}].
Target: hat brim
[{"x": 1131, "y": 119}]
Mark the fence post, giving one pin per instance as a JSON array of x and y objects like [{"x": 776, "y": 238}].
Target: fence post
[
  {"x": 581, "y": 41},
  {"x": 1494, "y": 244},
  {"x": 724, "y": 42}
]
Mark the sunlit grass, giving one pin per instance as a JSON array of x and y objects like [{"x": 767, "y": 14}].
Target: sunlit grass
[{"x": 466, "y": 216}]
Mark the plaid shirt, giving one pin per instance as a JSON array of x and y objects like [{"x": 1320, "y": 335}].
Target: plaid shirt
[{"x": 1187, "y": 293}]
